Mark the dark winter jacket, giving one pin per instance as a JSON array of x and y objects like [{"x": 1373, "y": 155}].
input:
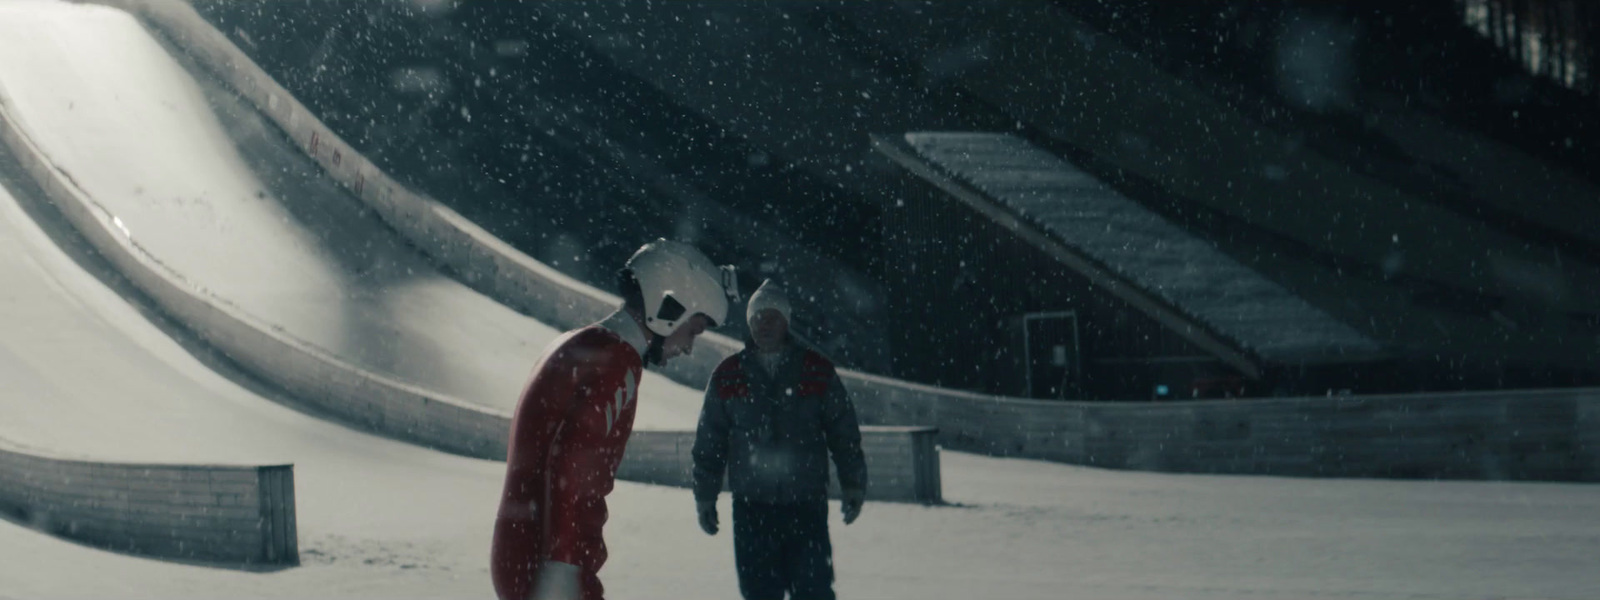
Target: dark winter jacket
[{"x": 772, "y": 433}]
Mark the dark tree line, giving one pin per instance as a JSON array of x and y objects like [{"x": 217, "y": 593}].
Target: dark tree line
[{"x": 1552, "y": 38}]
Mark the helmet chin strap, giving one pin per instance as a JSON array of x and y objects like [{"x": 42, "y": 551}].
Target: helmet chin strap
[{"x": 652, "y": 352}]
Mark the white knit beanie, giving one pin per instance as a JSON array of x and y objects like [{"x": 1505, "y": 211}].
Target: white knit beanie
[{"x": 769, "y": 295}]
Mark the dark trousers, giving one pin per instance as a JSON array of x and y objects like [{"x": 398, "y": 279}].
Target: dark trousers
[{"x": 782, "y": 548}]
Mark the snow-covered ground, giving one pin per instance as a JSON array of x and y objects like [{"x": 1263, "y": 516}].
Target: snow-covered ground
[{"x": 85, "y": 372}]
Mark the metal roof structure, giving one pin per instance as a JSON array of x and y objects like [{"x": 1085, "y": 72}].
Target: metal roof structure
[{"x": 1137, "y": 255}]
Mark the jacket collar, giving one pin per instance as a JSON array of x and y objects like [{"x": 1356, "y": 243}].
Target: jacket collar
[{"x": 789, "y": 355}]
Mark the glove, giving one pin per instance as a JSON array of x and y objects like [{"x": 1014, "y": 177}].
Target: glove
[
  {"x": 850, "y": 504},
  {"x": 708, "y": 515}
]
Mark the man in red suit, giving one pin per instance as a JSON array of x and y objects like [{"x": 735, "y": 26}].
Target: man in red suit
[{"x": 575, "y": 416}]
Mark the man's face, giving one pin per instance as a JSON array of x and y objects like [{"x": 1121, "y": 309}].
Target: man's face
[
  {"x": 768, "y": 328},
  {"x": 681, "y": 342}
]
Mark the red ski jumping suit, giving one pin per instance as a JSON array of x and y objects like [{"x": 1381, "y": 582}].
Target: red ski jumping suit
[{"x": 567, "y": 438}]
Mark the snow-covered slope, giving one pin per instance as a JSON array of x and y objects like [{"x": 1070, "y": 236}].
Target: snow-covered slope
[
  {"x": 85, "y": 373},
  {"x": 207, "y": 186}
]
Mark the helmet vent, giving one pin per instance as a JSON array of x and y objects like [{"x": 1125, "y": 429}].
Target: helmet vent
[{"x": 671, "y": 310}]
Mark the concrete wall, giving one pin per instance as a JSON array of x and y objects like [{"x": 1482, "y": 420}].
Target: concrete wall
[
  {"x": 1588, "y": 439},
  {"x": 902, "y": 462},
  {"x": 1523, "y": 435},
  {"x": 1457, "y": 435},
  {"x": 208, "y": 513}
]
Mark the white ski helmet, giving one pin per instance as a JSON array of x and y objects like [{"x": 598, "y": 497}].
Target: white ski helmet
[{"x": 677, "y": 281}]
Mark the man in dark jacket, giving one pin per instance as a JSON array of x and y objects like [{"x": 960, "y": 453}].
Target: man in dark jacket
[{"x": 773, "y": 414}]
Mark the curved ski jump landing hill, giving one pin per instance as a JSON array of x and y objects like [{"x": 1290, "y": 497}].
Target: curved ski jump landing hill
[{"x": 208, "y": 187}]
